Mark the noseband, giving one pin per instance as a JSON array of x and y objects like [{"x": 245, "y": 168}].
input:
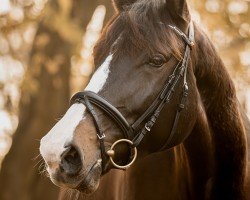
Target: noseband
[{"x": 133, "y": 134}]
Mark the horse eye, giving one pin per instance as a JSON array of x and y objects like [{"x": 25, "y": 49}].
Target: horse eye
[{"x": 157, "y": 60}]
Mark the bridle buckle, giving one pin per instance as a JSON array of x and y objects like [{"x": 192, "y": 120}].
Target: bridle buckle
[
  {"x": 101, "y": 137},
  {"x": 147, "y": 128}
]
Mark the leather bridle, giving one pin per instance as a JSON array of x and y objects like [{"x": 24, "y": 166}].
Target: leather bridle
[{"x": 133, "y": 134}]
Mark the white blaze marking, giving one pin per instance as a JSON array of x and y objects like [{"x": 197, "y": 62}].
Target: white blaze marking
[
  {"x": 99, "y": 78},
  {"x": 53, "y": 144}
]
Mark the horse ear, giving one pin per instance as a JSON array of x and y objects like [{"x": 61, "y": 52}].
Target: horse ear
[
  {"x": 121, "y": 4},
  {"x": 179, "y": 11}
]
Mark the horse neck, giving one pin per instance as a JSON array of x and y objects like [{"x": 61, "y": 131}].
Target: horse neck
[{"x": 219, "y": 99}]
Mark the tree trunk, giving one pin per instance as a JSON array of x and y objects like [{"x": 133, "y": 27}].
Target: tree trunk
[{"x": 45, "y": 96}]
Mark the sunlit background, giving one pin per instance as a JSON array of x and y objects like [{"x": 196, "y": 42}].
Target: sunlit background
[
  {"x": 226, "y": 22},
  {"x": 18, "y": 25}
]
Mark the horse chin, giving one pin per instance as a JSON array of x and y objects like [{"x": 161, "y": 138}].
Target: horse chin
[
  {"x": 85, "y": 182},
  {"x": 91, "y": 181}
]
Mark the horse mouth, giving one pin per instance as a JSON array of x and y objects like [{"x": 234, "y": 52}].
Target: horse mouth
[
  {"x": 91, "y": 181},
  {"x": 86, "y": 182}
]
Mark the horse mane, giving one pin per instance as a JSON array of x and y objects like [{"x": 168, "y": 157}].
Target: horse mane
[
  {"x": 121, "y": 4},
  {"x": 223, "y": 112},
  {"x": 140, "y": 26}
]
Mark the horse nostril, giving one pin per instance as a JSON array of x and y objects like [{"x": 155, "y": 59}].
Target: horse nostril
[{"x": 71, "y": 162}]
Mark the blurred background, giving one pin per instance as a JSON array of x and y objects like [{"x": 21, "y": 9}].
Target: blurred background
[{"x": 45, "y": 56}]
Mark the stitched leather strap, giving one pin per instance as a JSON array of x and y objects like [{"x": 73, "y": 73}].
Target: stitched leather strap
[
  {"x": 167, "y": 92},
  {"x": 105, "y": 106}
]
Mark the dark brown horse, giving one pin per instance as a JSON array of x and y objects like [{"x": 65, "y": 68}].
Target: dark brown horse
[{"x": 135, "y": 56}]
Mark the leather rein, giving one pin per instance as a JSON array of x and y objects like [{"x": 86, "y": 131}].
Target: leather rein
[{"x": 133, "y": 134}]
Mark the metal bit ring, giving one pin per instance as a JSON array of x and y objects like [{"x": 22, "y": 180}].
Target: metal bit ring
[{"x": 111, "y": 154}]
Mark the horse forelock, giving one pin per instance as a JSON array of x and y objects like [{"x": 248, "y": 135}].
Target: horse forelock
[{"x": 143, "y": 26}]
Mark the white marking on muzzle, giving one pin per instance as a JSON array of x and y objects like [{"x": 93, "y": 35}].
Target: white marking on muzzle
[{"x": 53, "y": 144}]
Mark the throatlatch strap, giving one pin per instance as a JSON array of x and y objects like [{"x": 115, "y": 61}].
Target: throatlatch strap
[{"x": 181, "y": 106}]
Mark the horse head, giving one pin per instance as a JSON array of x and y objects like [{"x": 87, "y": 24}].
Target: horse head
[{"x": 138, "y": 57}]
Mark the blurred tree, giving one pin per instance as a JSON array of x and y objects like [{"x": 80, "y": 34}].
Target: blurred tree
[
  {"x": 228, "y": 25},
  {"x": 45, "y": 94}
]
